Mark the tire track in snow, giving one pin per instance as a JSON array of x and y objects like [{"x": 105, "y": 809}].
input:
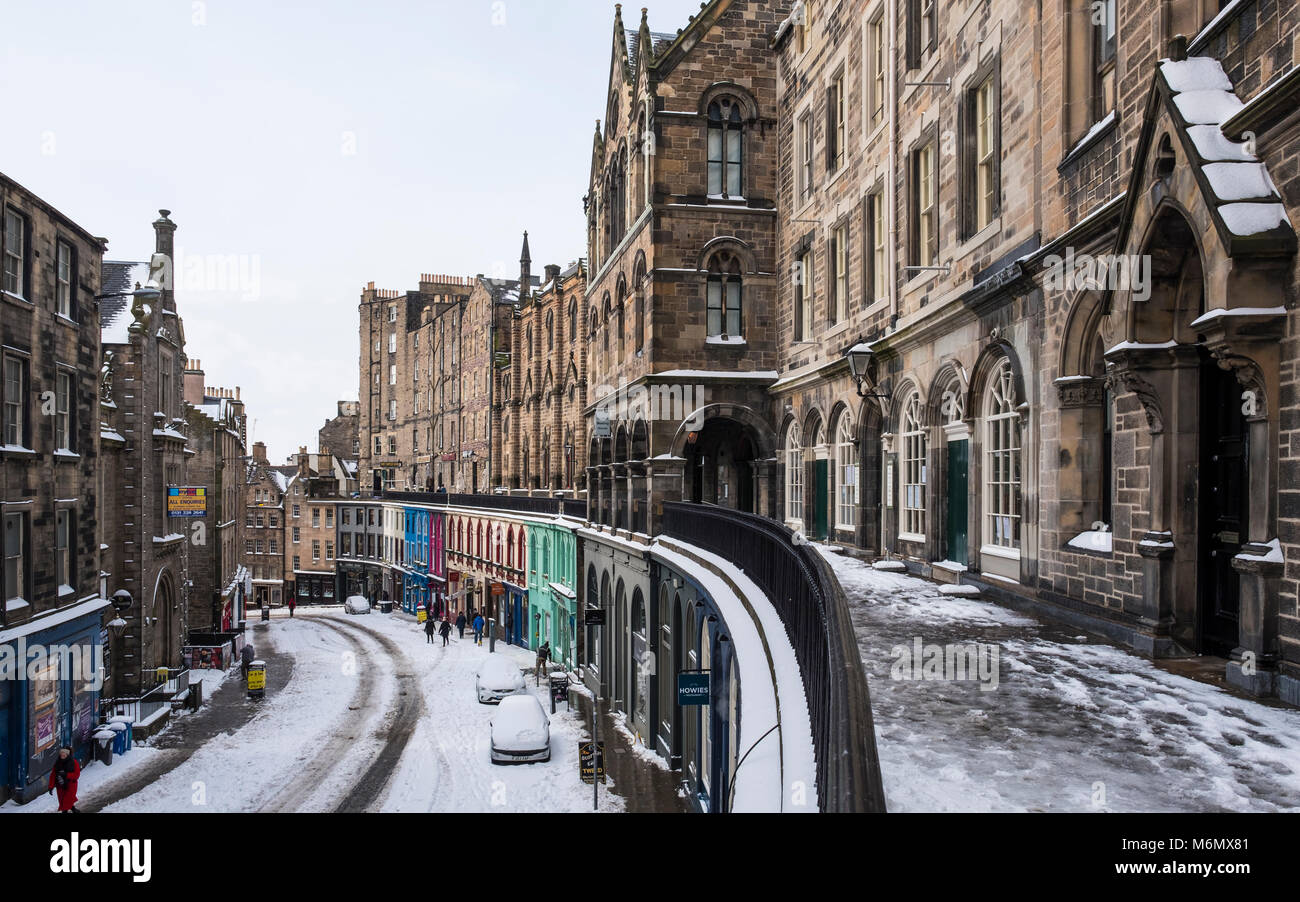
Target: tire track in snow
[
  {"x": 301, "y": 789},
  {"x": 407, "y": 708}
]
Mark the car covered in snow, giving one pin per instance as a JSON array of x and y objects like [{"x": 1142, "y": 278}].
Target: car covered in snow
[
  {"x": 357, "y": 604},
  {"x": 521, "y": 731},
  {"x": 497, "y": 678}
]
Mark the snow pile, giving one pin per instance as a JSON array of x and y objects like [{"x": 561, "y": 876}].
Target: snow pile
[{"x": 1099, "y": 540}]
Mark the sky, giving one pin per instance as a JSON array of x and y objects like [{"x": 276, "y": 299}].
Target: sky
[{"x": 306, "y": 149}]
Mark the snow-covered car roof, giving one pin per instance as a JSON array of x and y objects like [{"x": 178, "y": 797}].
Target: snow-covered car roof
[{"x": 499, "y": 672}]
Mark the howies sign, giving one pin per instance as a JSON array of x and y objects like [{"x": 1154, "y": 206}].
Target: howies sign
[
  {"x": 693, "y": 689},
  {"x": 103, "y": 856}
]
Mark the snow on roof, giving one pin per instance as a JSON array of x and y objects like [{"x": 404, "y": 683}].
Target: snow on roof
[
  {"x": 63, "y": 615},
  {"x": 1245, "y": 196},
  {"x": 119, "y": 280}
]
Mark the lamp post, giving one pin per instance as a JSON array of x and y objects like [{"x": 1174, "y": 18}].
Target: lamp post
[{"x": 861, "y": 358}]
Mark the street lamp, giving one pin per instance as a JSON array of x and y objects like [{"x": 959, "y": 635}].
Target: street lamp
[{"x": 860, "y": 358}]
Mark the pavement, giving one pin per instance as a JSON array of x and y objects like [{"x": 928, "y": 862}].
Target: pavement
[{"x": 1065, "y": 721}]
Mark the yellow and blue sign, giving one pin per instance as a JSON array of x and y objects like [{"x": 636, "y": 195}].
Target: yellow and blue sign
[{"x": 187, "y": 502}]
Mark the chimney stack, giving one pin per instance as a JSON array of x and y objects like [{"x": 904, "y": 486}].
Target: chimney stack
[
  {"x": 193, "y": 389},
  {"x": 259, "y": 452},
  {"x": 164, "y": 234}
]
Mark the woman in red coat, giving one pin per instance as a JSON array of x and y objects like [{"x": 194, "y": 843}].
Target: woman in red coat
[{"x": 63, "y": 779}]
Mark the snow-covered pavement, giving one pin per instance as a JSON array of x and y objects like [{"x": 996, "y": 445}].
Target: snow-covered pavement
[
  {"x": 374, "y": 719},
  {"x": 1068, "y": 724}
]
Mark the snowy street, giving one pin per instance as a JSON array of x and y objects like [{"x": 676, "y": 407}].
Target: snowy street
[
  {"x": 1068, "y": 723},
  {"x": 373, "y": 719}
]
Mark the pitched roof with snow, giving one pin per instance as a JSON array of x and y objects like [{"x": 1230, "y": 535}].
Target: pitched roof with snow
[
  {"x": 119, "y": 280},
  {"x": 1241, "y": 192}
]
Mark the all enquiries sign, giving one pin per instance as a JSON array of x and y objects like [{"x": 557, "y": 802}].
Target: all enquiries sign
[{"x": 187, "y": 503}]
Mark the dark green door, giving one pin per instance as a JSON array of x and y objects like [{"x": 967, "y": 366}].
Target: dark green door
[
  {"x": 823, "y": 499},
  {"x": 958, "y": 501}
]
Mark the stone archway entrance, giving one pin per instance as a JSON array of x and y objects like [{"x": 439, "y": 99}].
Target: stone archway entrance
[{"x": 720, "y": 465}]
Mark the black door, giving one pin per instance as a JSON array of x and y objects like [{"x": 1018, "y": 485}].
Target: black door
[{"x": 1223, "y": 507}]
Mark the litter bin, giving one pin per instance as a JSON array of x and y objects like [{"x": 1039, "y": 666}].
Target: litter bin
[
  {"x": 104, "y": 746},
  {"x": 129, "y": 732},
  {"x": 385, "y": 607},
  {"x": 266, "y": 613},
  {"x": 119, "y": 737},
  {"x": 257, "y": 679},
  {"x": 196, "y": 695}
]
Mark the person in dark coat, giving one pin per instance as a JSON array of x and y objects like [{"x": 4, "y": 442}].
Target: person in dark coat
[
  {"x": 63, "y": 780},
  {"x": 460, "y": 623},
  {"x": 430, "y": 627},
  {"x": 245, "y": 660},
  {"x": 445, "y": 632}
]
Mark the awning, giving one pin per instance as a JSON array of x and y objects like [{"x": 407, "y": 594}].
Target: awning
[{"x": 564, "y": 590}]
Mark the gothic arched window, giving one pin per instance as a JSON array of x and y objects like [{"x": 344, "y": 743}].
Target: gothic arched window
[
  {"x": 725, "y": 297},
  {"x": 726, "y": 153}
]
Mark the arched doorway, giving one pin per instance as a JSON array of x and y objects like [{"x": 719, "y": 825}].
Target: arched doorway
[
  {"x": 720, "y": 465},
  {"x": 620, "y": 656},
  {"x": 640, "y": 670}
]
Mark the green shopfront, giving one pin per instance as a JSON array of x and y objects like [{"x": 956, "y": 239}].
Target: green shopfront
[{"x": 552, "y": 590}]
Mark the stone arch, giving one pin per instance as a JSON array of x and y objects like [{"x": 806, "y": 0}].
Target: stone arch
[
  {"x": 989, "y": 360},
  {"x": 738, "y": 248},
  {"x": 640, "y": 438},
  {"x": 908, "y": 387},
  {"x": 718, "y": 90},
  {"x": 767, "y": 440}
]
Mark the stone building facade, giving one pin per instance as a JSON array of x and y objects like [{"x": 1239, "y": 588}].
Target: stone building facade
[
  {"x": 311, "y": 502},
  {"x": 144, "y": 451},
  {"x": 409, "y": 383},
  {"x": 339, "y": 436},
  {"x": 543, "y": 419},
  {"x": 264, "y": 528},
  {"x": 50, "y": 496},
  {"x": 682, "y": 242},
  {"x": 218, "y": 565}
]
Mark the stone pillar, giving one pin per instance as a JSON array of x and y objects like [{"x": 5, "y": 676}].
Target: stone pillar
[{"x": 765, "y": 495}]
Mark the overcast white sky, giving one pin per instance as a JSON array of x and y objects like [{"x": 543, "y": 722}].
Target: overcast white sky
[{"x": 321, "y": 145}]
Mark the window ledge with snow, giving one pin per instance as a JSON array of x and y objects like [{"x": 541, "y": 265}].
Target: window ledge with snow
[
  {"x": 17, "y": 297},
  {"x": 66, "y": 455},
  {"x": 1098, "y": 131},
  {"x": 1096, "y": 541},
  {"x": 732, "y": 341},
  {"x": 16, "y": 451}
]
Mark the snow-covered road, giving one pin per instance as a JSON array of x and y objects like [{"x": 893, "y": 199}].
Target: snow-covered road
[
  {"x": 1072, "y": 725},
  {"x": 374, "y": 719}
]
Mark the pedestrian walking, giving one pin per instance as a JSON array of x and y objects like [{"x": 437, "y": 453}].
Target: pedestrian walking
[
  {"x": 246, "y": 660},
  {"x": 293, "y": 604},
  {"x": 445, "y": 632},
  {"x": 430, "y": 627},
  {"x": 460, "y": 623},
  {"x": 478, "y": 629},
  {"x": 63, "y": 780}
]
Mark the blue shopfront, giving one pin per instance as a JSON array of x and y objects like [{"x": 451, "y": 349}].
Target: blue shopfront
[
  {"x": 49, "y": 696},
  {"x": 516, "y": 612}
]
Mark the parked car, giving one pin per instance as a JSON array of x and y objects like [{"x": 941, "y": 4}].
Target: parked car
[
  {"x": 497, "y": 678},
  {"x": 357, "y": 604},
  {"x": 521, "y": 731}
]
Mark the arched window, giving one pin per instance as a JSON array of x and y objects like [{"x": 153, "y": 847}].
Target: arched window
[
  {"x": 706, "y": 735},
  {"x": 609, "y": 314},
  {"x": 638, "y": 289},
  {"x": 846, "y": 508},
  {"x": 522, "y": 560},
  {"x": 1002, "y": 461},
  {"x": 550, "y": 331},
  {"x": 618, "y": 313},
  {"x": 915, "y": 450},
  {"x": 725, "y": 297},
  {"x": 726, "y": 153},
  {"x": 793, "y": 474},
  {"x": 573, "y": 320}
]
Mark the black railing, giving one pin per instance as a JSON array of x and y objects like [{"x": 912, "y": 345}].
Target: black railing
[
  {"x": 812, "y": 606},
  {"x": 519, "y": 504}
]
